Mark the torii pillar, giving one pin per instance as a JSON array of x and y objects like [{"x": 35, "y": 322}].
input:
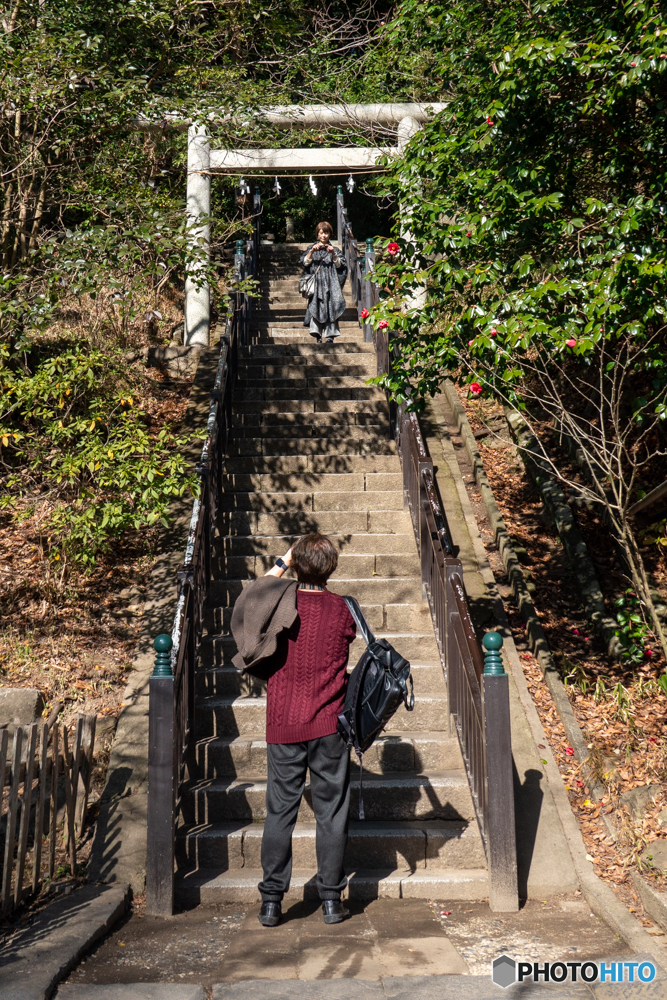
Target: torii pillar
[{"x": 197, "y": 295}]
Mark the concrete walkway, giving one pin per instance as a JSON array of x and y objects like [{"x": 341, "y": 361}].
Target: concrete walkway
[
  {"x": 387, "y": 944},
  {"x": 544, "y": 860}
]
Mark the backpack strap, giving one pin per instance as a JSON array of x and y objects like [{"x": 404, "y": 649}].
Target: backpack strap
[{"x": 362, "y": 624}]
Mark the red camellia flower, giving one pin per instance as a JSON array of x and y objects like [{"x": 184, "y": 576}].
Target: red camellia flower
[
  {"x": 648, "y": 653},
  {"x": 569, "y": 751},
  {"x": 468, "y": 234},
  {"x": 470, "y": 343},
  {"x": 493, "y": 332},
  {"x": 488, "y": 120},
  {"x": 393, "y": 249},
  {"x": 571, "y": 342},
  {"x": 383, "y": 325},
  {"x": 475, "y": 388},
  {"x": 364, "y": 313}
]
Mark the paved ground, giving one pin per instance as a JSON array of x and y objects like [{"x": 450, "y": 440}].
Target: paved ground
[{"x": 386, "y": 938}]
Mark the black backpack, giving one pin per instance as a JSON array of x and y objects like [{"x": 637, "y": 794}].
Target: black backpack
[{"x": 376, "y": 687}]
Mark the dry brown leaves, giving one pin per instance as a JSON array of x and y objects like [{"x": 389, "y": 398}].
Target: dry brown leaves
[{"x": 624, "y": 725}]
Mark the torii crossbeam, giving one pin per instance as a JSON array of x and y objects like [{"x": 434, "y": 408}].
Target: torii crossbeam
[{"x": 204, "y": 161}]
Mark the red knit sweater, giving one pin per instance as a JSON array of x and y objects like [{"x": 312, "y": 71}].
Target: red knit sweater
[{"x": 305, "y": 694}]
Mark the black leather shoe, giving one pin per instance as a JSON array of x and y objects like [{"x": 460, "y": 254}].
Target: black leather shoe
[
  {"x": 333, "y": 911},
  {"x": 270, "y": 914}
]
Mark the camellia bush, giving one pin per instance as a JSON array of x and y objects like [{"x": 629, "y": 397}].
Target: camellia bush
[{"x": 532, "y": 261}]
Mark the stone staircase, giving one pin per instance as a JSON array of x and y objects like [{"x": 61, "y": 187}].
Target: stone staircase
[{"x": 312, "y": 451}]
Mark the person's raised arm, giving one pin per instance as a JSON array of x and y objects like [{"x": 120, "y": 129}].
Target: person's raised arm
[{"x": 281, "y": 565}]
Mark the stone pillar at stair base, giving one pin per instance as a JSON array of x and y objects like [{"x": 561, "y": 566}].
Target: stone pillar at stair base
[{"x": 197, "y": 296}]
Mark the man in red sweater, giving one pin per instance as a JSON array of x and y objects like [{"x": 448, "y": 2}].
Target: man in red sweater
[{"x": 305, "y": 694}]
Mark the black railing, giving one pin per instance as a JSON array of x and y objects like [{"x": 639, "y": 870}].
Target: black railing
[
  {"x": 171, "y": 720},
  {"x": 477, "y": 685}
]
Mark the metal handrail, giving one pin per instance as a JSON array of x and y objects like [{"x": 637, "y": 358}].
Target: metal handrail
[
  {"x": 171, "y": 713},
  {"x": 478, "y": 694}
]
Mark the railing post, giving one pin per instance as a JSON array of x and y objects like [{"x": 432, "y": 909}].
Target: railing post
[
  {"x": 240, "y": 299},
  {"x": 339, "y": 215},
  {"x": 369, "y": 263},
  {"x": 197, "y": 295},
  {"x": 501, "y": 834},
  {"x": 161, "y": 784},
  {"x": 257, "y": 212}
]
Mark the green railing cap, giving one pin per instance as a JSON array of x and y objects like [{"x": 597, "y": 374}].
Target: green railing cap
[
  {"x": 340, "y": 189},
  {"x": 493, "y": 662},
  {"x": 369, "y": 244},
  {"x": 239, "y": 246},
  {"x": 162, "y": 646}
]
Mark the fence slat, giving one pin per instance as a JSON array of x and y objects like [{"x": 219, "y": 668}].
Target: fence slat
[
  {"x": 4, "y": 744},
  {"x": 10, "y": 831},
  {"x": 53, "y": 804},
  {"x": 85, "y": 770},
  {"x": 68, "y": 834},
  {"x": 26, "y": 809},
  {"x": 39, "y": 809}
]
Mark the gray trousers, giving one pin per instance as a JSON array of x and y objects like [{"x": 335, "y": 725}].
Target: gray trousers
[{"x": 329, "y": 762}]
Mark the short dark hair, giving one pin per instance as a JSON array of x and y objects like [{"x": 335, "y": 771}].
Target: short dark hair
[
  {"x": 326, "y": 226},
  {"x": 314, "y": 559}
]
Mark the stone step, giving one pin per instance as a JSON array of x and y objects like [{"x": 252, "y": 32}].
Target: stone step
[
  {"x": 374, "y": 590},
  {"x": 276, "y": 299},
  {"x": 376, "y": 406},
  {"x": 216, "y": 888},
  {"x": 312, "y": 422},
  {"x": 229, "y": 756},
  {"x": 349, "y": 332},
  {"x": 294, "y": 335},
  {"x": 334, "y": 444},
  {"x": 361, "y": 544},
  {"x": 231, "y": 715},
  {"x": 338, "y": 365},
  {"x": 313, "y": 384},
  {"x": 251, "y": 567},
  {"x": 285, "y": 318},
  {"x": 378, "y": 430},
  {"x": 323, "y": 482},
  {"x": 315, "y": 501},
  {"x": 411, "y": 845},
  {"x": 247, "y": 522},
  {"x": 262, "y": 464},
  {"x": 392, "y": 796},
  {"x": 227, "y": 682},
  {"x": 256, "y": 373},
  {"x": 361, "y": 393},
  {"x": 380, "y": 618},
  {"x": 309, "y": 350}
]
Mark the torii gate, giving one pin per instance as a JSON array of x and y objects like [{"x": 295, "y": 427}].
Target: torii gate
[{"x": 204, "y": 161}]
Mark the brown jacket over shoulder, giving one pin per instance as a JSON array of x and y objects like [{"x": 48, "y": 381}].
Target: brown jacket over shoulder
[{"x": 263, "y": 610}]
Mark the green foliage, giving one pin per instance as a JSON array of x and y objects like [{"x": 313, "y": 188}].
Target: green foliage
[
  {"x": 78, "y": 451},
  {"x": 632, "y": 632},
  {"x": 93, "y": 232},
  {"x": 536, "y": 200}
]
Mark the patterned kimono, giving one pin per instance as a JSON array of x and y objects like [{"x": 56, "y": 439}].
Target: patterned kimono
[{"x": 327, "y": 304}]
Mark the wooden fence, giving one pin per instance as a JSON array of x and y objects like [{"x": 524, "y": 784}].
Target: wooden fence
[{"x": 45, "y": 776}]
